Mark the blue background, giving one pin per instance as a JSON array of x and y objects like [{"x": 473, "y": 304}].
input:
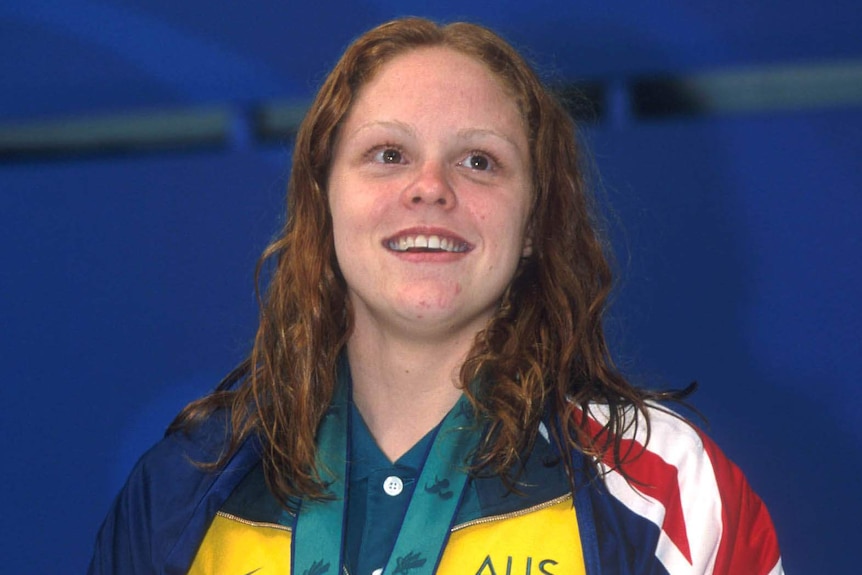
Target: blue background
[{"x": 126, "y": 285}]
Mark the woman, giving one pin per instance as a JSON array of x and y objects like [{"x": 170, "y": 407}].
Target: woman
[{"x": 429, "y": 388}]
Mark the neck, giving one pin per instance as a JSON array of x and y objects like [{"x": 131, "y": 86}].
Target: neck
[{"x": 403, "y": 388}]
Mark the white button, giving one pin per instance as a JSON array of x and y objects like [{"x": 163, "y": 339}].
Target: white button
[{"x": 393, "y": 485}]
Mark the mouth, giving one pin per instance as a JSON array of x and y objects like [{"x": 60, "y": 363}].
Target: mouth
[{"x": 427, "y": 243}]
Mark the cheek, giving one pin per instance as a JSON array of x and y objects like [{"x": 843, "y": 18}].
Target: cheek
[
  {"x": 346, "y": 208},
  {"x": 507, "y": 222},
  {"x": 357, "y": 223},
  {"x": 359, "y": 200}
]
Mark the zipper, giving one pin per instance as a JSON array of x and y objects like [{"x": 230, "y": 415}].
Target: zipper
[
  {"x": 512, "y": 514},
  {"x": 232, "y": 517}
]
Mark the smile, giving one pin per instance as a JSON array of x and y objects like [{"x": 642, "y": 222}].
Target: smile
[{"x": 427, "y": 243}]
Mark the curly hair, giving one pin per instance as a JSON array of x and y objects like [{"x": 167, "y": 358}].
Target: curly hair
[{"x": 543, "y": 350}]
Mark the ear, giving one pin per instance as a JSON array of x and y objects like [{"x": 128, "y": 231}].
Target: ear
[{"x": 527, "y": 251}]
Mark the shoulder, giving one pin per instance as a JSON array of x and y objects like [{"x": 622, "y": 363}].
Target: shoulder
[
  {"x": 696, "y": 502},
  {"x": 168, "y": 500}
]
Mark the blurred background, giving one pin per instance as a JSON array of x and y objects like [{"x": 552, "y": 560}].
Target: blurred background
[{"x": 144, "y": 150}]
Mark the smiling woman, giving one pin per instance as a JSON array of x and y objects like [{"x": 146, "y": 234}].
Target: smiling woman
[
  {"x": 433, "y": 155},
  {"x": 430, "y": 389}
]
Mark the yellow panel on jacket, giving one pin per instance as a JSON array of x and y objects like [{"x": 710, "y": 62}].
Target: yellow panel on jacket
[
  {"x": 236, "y": 546},
  {"x": 543, "y": 541},
  {"x": 540, "y": 541}
]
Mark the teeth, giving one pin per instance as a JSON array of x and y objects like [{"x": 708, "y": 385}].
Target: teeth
[{"x": 431, "y": 242}]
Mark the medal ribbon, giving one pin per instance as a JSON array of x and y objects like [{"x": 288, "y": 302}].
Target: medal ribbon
[{"x": 318, "y": 538}]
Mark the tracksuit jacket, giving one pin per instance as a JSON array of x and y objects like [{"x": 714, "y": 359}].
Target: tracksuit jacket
[{"x": 679, "y": 508}]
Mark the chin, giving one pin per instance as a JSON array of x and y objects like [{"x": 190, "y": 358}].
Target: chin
[{"x": 448, "y": 315}]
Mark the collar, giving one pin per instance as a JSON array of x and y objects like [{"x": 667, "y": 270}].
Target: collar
[
  {"x": 540, "y": 479},
  {"x": 366, "y": 457}
]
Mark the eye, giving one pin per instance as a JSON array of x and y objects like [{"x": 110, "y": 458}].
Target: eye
[
  {"x": 478, "y": 161},
  {"x": 388, "y": 155}
]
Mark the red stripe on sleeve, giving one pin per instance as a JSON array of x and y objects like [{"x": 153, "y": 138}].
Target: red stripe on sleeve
[{"x": 748, "y": 543}]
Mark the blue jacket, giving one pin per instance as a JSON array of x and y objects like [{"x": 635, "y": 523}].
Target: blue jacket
[{"x": 683, "y": 508}]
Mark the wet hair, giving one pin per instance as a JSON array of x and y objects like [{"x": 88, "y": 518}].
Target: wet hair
[{"x": 544, "y": 351}]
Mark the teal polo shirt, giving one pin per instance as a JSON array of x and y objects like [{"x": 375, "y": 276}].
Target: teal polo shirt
[{"x": 378, "y": 494}]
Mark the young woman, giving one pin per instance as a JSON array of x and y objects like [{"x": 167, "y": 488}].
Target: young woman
[{"x": 430, "y": 389}]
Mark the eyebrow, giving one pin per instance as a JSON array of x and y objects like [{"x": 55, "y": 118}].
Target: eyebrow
[
  {"x": 398, "y": 125},
  {"x": 481, "y": 132}
]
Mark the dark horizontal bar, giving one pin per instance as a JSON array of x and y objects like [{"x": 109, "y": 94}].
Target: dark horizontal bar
[
  {"x": 131, "y": 132},
  {"x": 778, "y": 88}
]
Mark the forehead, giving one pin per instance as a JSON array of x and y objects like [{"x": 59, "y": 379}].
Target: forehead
[{"x": 435, "y": 79}]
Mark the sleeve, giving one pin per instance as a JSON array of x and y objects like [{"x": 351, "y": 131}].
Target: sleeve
[
  {"x": 162, "y": 513},
  {"x": 127, "y": 540},
  {"x": 679, "y": 506},
  {"x": 748, "y": 543}
]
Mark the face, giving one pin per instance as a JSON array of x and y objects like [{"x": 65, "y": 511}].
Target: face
[{"x": 429, "y": 190}]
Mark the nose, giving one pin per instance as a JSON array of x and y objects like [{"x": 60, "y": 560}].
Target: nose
[{"x": 431, "y": 187}]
